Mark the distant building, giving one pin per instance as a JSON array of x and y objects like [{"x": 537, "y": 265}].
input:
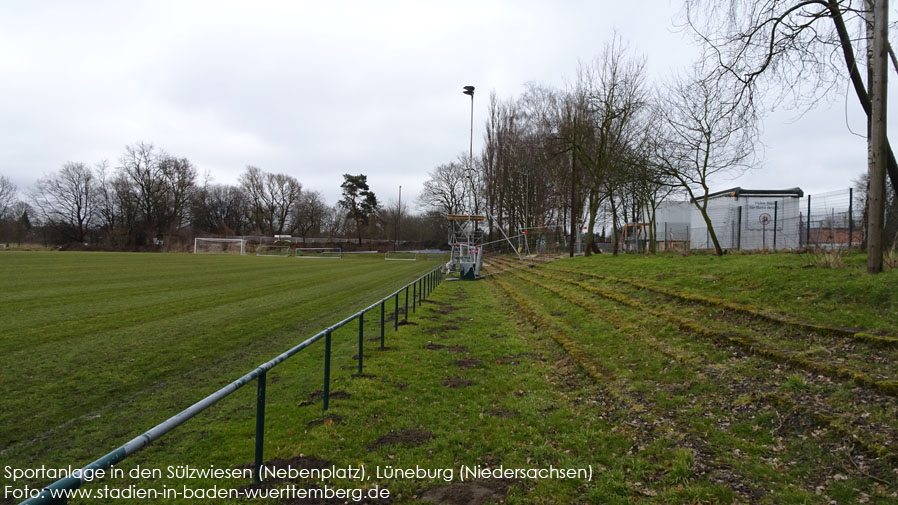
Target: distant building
[{"x": 748, "y": 219}]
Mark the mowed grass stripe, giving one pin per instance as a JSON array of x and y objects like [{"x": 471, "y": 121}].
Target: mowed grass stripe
[
  {"x": 110, "y": 303},
  {"x": 154, "y": 343}
]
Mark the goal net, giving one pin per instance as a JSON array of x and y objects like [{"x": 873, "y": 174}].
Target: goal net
[
  {"x": 401, "y": 256},
  {"x": 319, "y": 252},
  {"x": 209, "y": 245},
  {"x": 277, "y": 250}
]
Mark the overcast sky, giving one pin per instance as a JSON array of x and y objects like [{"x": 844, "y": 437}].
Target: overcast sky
[{"x": 318, "y": 89}]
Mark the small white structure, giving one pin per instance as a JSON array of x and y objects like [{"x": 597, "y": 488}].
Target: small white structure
[
  {"x": 749, "y": 219},
  {"x": 672, "y": 222}
]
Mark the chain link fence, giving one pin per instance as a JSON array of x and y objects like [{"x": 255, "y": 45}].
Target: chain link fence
[{"x": 832, "y": 220}]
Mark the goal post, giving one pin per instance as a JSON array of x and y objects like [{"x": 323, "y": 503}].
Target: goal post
[
  {"x": 276, "y": 250},
  {"x": 319, "y": 252},
  {"x": 212, "y": 245},
  {"x": 401, "y": 256}
]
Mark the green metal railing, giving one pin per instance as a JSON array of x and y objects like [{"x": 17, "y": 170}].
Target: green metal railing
[{"x": 421, "y": 288}]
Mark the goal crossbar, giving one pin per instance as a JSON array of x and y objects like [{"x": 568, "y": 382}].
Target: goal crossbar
[
  {"x": 221, "y": 241},
  {"x": 319, "y": 252},
  {"x": 401, "y": 256}
]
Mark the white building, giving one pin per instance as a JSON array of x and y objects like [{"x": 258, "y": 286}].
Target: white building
[{"x": 748, "y": 219}]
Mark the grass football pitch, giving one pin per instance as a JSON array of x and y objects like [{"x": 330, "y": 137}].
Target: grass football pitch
[{"x": 97, "y": 347}]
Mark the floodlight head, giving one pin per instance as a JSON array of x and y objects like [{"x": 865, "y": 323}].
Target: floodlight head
[{"x": 469, "y": 90}]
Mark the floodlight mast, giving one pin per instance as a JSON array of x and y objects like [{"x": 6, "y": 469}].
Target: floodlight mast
[{"x": 466, "y": 237}]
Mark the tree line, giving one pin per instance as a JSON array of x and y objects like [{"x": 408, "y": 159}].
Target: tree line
[{"x": 155, "y": 200}]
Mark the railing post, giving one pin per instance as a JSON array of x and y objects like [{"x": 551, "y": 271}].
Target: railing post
[
  {"x": 382, "y": 313},
  {"x": 396, "y": 313},
  {"x": 260, "y": 428},
  {"x": 361, "y": 339},
  {"x": 406, "y": 304},
  {"x": 327, "y": 369},
  {"x": 414, "y": 294}
]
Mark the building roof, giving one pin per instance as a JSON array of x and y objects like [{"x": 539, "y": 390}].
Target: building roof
[{"x": 737, "y": 192}]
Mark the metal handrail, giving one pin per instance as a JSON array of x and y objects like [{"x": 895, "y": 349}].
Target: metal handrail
[{"x": 422, "y": 286}]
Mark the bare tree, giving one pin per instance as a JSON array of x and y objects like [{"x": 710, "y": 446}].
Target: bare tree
[
  {"x": 615, "y": 91},
  {"x": 220, "y": 209},
  {"x": 140, "y": 167},
  {"x": 7, "y": 196},
  {"x": 309, "y": 213},
  {"x": 67, "y": 200},
  {"x": 702, "y": 134},
  {"x": 447, "y": 189},
  {"x": 179, "y": 182},
  {"x": 803, "y": 48},
  {"x": 272, "y": 198}
]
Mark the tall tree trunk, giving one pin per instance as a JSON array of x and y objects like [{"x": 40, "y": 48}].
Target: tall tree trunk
[
  {"x": 574, "y": 212},
  {"x": 594, "y": 201},
  {"x": 858, "y": 83},
  {"x": 614, "y": 233},
  {"x": 877, "y": 139}
]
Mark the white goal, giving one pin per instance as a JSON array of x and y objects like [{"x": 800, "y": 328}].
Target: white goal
[
  {"x": 319, "y": 252},
  {"x": 210, "y": 245},
  {"x": 401, "y": 256},
  {"x": 276, "y": 250}
]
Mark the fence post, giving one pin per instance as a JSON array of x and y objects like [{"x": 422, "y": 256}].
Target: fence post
[
  {"x": 260, "y": 428},
  {"x": 361, "y": 340},
  {"x": 414, "y": 294},
  {"x": 807, "y": 219},
  {"x": 327, "y": 369},
  {"x": 665, "y": 237},
  {"x": 776, "y": 208},
  {"x": 832, "y": 228},
  {"x": 382, "y": 313},
  {"x": 396, "y": 313},
  {"x": 739, "y": 231},
  {"x": 850, "y": 216},
  {"x": 406, "y": 304}
]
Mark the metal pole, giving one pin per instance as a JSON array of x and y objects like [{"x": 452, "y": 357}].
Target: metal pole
[
  {"x": 776, "y": 208},
  {"x": 471, "y": 151},
  {"x": 382, "y": 313},
  {"x": 361, "y": 340},
  {"x": 398, "y": 219},
  {"x": 850, "y": 216},
  {"x": 406, "y": 304},
  {"x": 807, "y": 240},
  {"x": 832, "y": 227},
  {"x": 396, "y": 313},
  {"x": 260, "y": 428},
  {"x": 739, "y": 231},
  {"x": 327, "y": 369},
  {"x": 414, "y": 295}
]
